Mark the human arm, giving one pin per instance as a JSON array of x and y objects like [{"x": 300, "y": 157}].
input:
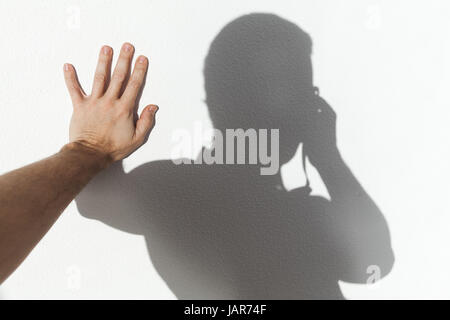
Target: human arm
[
  {"x": 360, "y": 229},
  {"x": 103, "y": 130}
]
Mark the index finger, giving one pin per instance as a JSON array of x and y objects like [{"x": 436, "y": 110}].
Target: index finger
[{"x": 136, "y": 80}]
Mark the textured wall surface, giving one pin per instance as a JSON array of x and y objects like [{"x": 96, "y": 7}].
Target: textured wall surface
[{"x": 149, "y": 229}]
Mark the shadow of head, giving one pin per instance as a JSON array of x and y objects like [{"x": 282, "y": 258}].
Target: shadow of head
[
  {"x": 258, "y": 74},
  {"x": 219, "y": 231}
]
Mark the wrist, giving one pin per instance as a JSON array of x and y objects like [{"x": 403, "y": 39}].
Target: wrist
[{"x": 97, "y": 159}]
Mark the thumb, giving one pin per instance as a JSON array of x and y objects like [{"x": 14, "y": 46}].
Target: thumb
[{"x": 145, "y": 123}]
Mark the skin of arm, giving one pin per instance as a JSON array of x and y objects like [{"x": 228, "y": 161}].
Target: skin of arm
[{"x": 103, "y": 129}]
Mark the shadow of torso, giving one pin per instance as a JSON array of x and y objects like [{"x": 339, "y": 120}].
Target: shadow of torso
[
  {"x": 213, "y": 232},
  {"x": 225, "y": 232}
]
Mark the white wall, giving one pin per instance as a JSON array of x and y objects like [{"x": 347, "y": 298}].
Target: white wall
[{"x": 382, "y": 65}]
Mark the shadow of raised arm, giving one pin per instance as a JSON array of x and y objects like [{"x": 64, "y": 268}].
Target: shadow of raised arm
[{"x": 356, "y": 220}]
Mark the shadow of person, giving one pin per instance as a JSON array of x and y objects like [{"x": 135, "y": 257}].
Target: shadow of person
[{"x": 228, "y": 232}]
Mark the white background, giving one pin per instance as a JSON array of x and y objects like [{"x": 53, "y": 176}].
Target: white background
[{"x": 384, "y": 66}]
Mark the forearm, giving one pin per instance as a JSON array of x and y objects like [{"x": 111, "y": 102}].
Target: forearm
[
  {"x": 341, "y": 183},
  {"x": 358, "y": 222},
  {"x": 103, "y": 129},
  {"x": 33, "y": 197},
  {"x": 349, "y": 197},
  {"x": 360, "y": 231}
]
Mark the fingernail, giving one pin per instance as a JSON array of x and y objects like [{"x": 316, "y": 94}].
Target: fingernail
[
  {"x": 127, "y": 47},
  {"x": 106, "y": 50},
  {"x": 142, "y": 59},
  {"x": 66, "y": 67},
  {"x": 153, "y": 108}
]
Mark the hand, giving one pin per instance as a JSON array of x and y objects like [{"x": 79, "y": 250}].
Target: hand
[
  {"x": 106, "y": 120},
  {"x": 320, "y": 141}
]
